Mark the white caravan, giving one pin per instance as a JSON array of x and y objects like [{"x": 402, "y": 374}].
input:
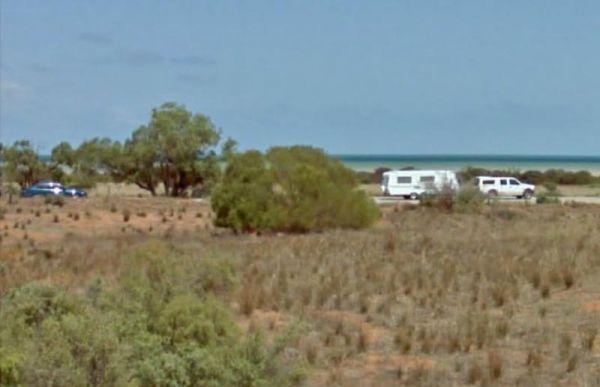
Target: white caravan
[
  {"x": 412, "y": 184},
  {"x": 504, "y": 186}
]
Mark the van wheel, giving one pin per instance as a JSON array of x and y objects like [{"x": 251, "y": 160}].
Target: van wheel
[
  {"x": 492, "y": 193},
  {"x": 527, "y": 194},
  {"x": 413, "y": 196}
]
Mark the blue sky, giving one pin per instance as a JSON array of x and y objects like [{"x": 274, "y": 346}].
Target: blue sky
[{"x": 467, "y": 77}]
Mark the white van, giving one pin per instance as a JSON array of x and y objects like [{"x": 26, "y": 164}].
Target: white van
[
  {"x": 414, "y": 183},
  {"x": 504, "y": 186}
]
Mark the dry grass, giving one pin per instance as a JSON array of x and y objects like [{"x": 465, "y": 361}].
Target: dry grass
[{"x": 424, "y": 298}]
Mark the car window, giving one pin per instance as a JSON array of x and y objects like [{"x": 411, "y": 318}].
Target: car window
[
  {"x": 514, "y": 182},
  {"x": 502, "y": 181}
]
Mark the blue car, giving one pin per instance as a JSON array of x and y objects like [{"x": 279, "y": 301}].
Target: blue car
[{"x": 47, "y": 188}]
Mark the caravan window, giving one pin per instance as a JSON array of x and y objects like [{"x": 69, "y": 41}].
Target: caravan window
[
  {"x": 427, "y": 179},
  {"x": 404, "y": 180}
]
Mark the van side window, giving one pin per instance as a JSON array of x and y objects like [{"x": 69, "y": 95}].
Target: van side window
[
  {"x": 488, "y": 182},
  {"x": 427, "y": 179},
  {"x": 513, "y": 182},
  {"x": 503, "y": 182},
  {"x": 404, "y": 180}
]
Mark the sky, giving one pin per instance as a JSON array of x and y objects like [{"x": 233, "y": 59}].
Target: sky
[{"x": 366, "y": 77}]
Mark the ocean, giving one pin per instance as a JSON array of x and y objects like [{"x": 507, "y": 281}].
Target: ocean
[
  {"x": 458, "y": 162},
  {"x": 363, "y": 162}
]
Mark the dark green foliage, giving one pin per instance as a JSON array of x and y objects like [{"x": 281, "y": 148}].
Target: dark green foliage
[
  {"x": 294, "y": 189},
  {"x": 159, "y": 324}
]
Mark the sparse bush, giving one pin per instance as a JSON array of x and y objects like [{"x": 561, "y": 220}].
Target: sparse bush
[
  {"x": 54, "y": 200},
  {"x": 495, "y": 365},
  {"x": 546, "y": 198},
  {"x": 469, "y": 199},
  {"x": 442, "y": 200},
  {"x": 588, "y": 336},
  {"x": 295, "y": 189},
  {"x": 126, "y": 215},
  {"x": 474, "y": 373}
]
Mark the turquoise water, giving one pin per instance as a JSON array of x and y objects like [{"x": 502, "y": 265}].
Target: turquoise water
[{"x": 457, "y": 162}]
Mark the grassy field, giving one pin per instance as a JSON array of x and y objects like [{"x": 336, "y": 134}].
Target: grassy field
[{"x": 510, "y": 295}]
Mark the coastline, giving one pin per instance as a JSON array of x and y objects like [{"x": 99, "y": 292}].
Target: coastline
[{"x": 368, "y": 163}]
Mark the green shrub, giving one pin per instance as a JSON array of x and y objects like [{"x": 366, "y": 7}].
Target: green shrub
[
  {"x": 547, "y": 198},
  {"x": 551, "y": 187},
  {"x": 469, "y": 199},
  {"x": 550, "y": 196},
  {"x": 294, "y": 189}
]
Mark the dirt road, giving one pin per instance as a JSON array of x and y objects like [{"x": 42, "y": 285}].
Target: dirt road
[{"x": 383, "y": 200}]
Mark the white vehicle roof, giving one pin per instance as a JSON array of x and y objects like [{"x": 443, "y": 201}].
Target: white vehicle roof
[
  {"x": 497, "y": 177},
  {"x": 417, "y": 171}
]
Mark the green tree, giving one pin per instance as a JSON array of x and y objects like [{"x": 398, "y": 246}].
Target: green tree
[
  {"x": 176, "y": 148},
  {"x": 22, "y": 164},
  {"x": 94, "y": 160},
  {"x": 63, "y": 154},
  {"x": 295, "y": 189}
]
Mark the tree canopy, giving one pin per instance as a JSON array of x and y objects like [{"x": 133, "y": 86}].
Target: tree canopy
[
  {"x": 176, "y": 148},
  {"x": 22, "y": 164}
]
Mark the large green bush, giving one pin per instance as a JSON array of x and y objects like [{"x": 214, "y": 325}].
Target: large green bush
[{"x": 294, "y": 189}]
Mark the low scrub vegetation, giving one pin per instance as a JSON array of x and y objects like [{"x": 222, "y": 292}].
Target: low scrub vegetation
[
  {"x": 294, "y": 189},
  {"x": 468, "y": 199},
  {"x": 158, "y": 323},
  {"x": 500, "y": 294}
]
